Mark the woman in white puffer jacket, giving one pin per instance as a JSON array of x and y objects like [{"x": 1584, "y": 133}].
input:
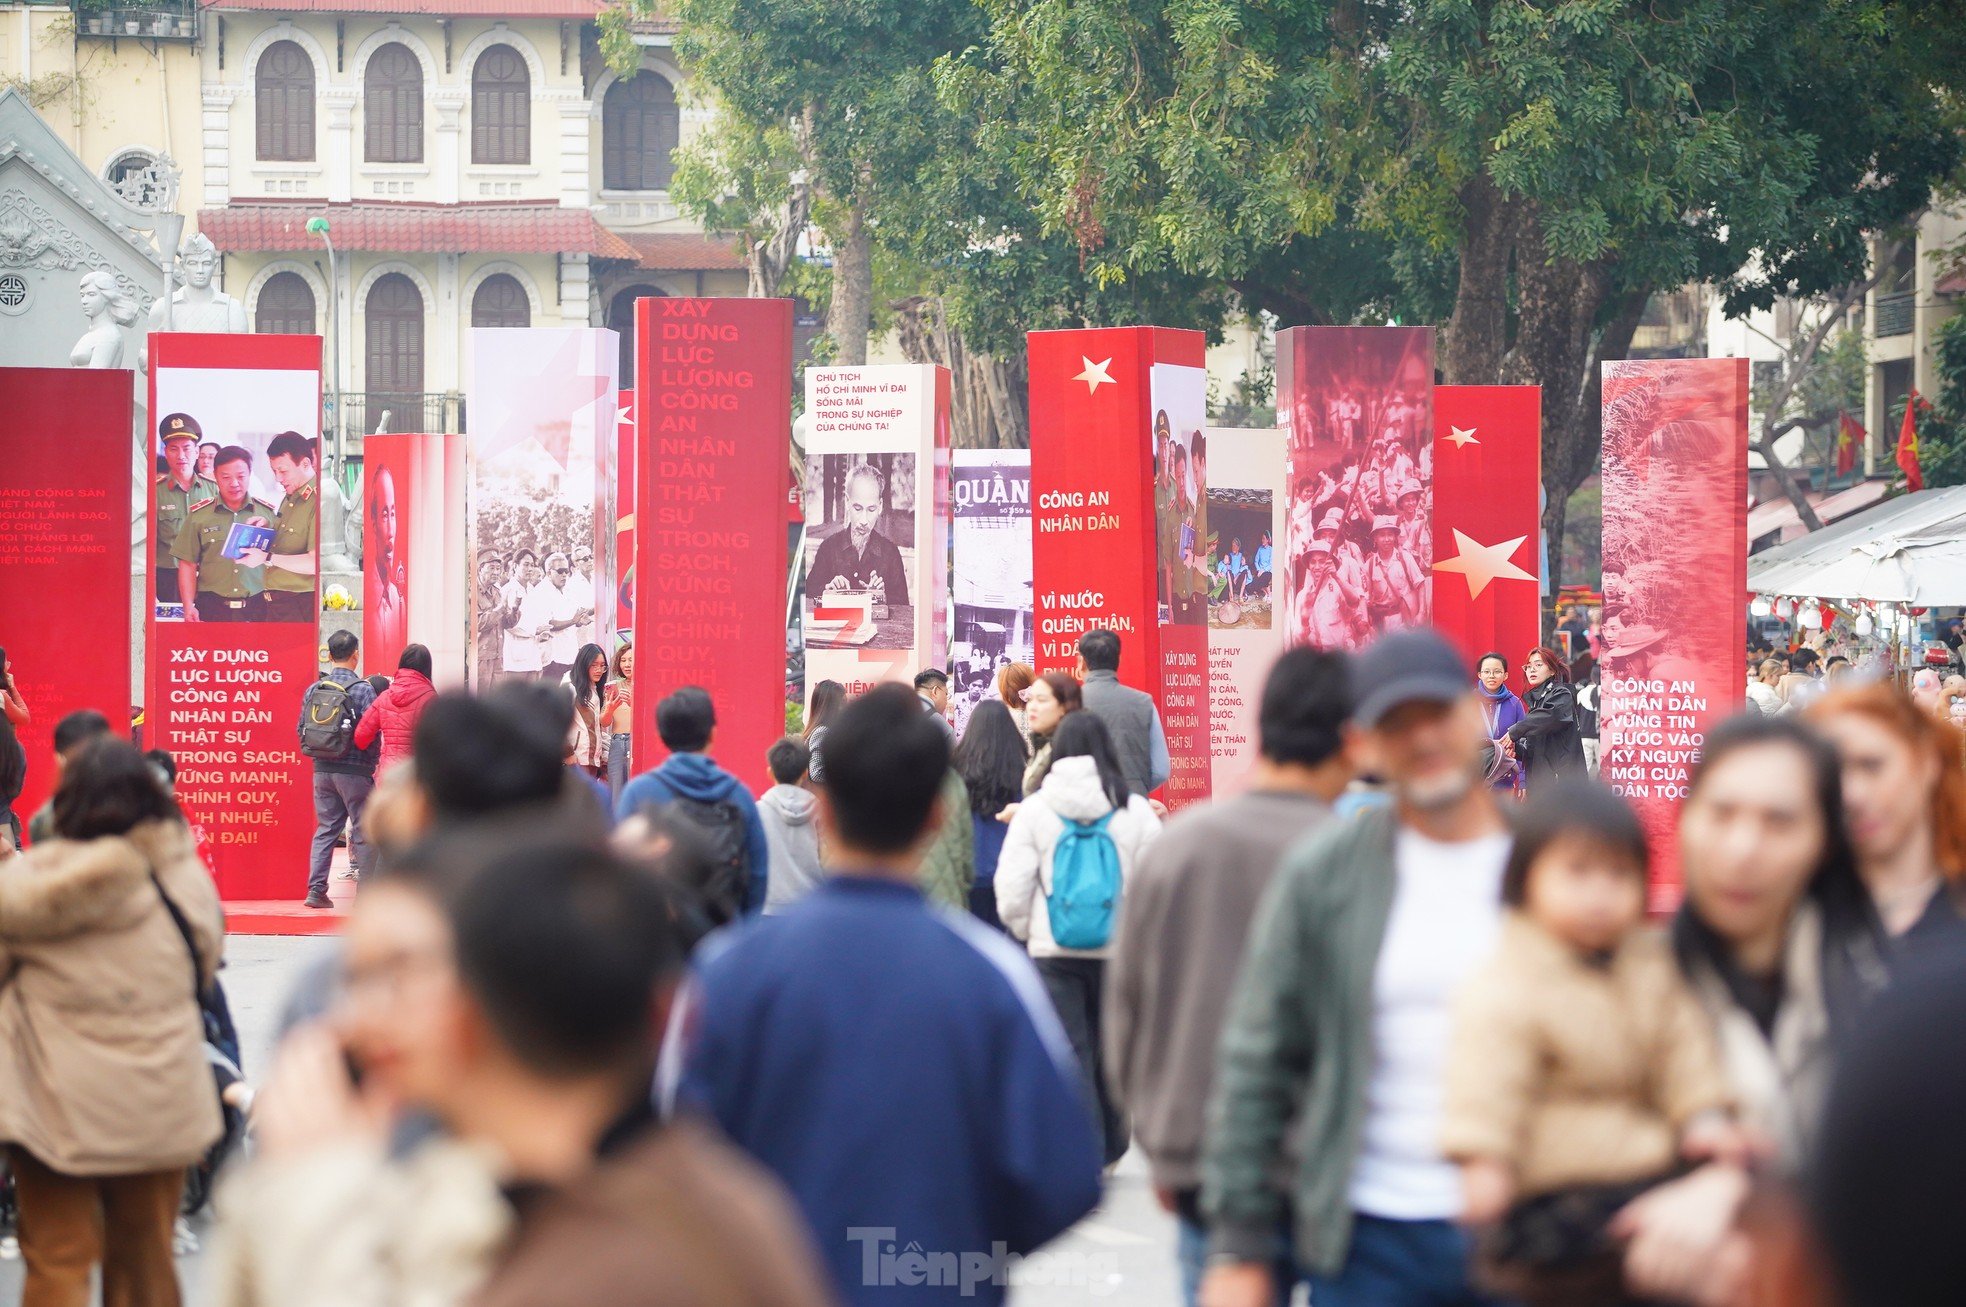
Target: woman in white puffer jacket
[{"x": 1084, "y": 784}]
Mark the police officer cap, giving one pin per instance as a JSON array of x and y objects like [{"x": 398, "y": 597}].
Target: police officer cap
[{"x": 180, "y": 426}]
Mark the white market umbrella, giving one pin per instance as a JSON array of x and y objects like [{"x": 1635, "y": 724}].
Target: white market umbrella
[{"x": 1909, "y": 550}]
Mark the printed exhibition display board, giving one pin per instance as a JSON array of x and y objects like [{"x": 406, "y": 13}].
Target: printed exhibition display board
[
  {"x": 234, "y": 624},
  {"x": 1356, "y": 408},
  {"x": 1675, "y": 542},
  {"x": 541, "y": 519},
  {"x": 1120, "y": 525},
  {"x": 413, "y": 560},
  {"x": 713, "y": 403},
  {"x": 1488, "y": 474},
  {"x": 64, "y": 555},
  {"x": 989, "y": 572},
  {"x": 877, "y": 523},
  {"x": 624, "y": 514},
  {"x": 1245, "y": 519}
]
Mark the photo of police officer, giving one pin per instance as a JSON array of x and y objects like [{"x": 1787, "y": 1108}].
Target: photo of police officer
[
  {"x": 177, "y": 488},
  {"x": 217, "y": 588},
  {"x": 289, "y": 563},
  {"x": 206, "y": 453}
]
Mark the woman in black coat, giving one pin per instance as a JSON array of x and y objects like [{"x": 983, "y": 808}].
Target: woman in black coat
[{"x": 1547, "y": 743}]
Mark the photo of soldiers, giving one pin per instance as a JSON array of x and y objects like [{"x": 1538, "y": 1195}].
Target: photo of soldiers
[
  {"x": 217, "y": 588},
  {"x": 289, "y": 563},
  {"x": 490, "y": 606},
  {"x": 177, "y": 488}
]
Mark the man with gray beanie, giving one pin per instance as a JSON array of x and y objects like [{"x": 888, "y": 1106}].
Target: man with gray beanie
[{"x": 1337, "y": 1036}]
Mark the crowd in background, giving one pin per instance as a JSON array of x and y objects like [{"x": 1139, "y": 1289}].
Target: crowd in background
[{"x": 1392, "y": 1020}]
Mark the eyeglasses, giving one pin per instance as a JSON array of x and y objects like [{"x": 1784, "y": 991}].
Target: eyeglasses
[{"x": 560, "y": 571}]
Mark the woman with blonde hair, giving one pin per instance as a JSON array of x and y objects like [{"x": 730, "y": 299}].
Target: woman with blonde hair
[
  {"x": 109, "y": 308},
  {"x": 1013, "y": 680},
  {"x": 1904, "y": 800}
]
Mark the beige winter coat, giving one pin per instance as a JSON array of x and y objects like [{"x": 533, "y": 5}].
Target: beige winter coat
[
  {"x": 1574, "y": 1073},
  {"x": 102, "y": 1050}
]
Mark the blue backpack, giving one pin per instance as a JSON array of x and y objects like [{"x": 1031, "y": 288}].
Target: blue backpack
[{"x": 1085, "y": 885}]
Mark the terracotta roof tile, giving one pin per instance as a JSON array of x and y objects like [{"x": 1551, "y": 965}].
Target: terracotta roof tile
[
  {"x": 684, "y": 252},
  {"x": 496, "y": 227},
  {"x": 580, "y": 9}
]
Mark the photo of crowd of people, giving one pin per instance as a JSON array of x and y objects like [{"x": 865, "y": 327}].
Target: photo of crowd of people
[
  {"x": 989, "y": 573},
  {"x": 1358, "y": 412},
  {"x": 860, "y": 549},
  {"x": 1181, "y": 522},
  {"x": 535, "y": 600},
  {"x": 236, "y": 498}
]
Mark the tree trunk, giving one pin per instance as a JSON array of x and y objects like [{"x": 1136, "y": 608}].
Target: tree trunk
[
  {"x": 1476, "y": 337},
  {"x": 1765, "y": 446},
  {"x": 989, "y": 397},
  {"x": 849, "y": 319},
  {"x": 768, "y": 259}
]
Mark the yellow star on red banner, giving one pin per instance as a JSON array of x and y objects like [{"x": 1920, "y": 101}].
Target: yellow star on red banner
[
  {"x": 1484, "y": 563},
  {"x": 1095, "y": 374},
  {"x": 1461, "y": 437}
]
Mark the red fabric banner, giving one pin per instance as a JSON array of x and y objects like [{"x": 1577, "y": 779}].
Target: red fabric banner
[
  {"x": 414, "y": 553},
  {"x": 1675, "y": 543},
  {"x": 1487, "y": 469},
  {"x": 65, "y": 554},
  {"x": 1356, "y": 408},
  {"x": 390, "y": 493},
  {"x": 713, "y": 403},
  {"x": 624, "y": 513},
  {"x": 225, "y": 687},
  {"x": 1117, "y": 540}
]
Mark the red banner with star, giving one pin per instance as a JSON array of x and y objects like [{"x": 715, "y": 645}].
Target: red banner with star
[
  {"x": 1487, "y": 470},
  {"x": 1675, "y": 581},
  {"x": 1119, "y": 518}
]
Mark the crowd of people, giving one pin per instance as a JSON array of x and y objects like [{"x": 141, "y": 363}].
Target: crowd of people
[{"x": 883, "y": 1029}]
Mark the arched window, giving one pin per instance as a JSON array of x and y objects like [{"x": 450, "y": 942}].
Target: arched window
[
  {"x": 286, "y": 306},
  {"x": 501, "y": 108},
  {"x": 640, "y": 128},
  {"x": 621, "y": 321},
  {"x": 393, "y": 332},
  {"x": 283, "y": 108},
  {"x": 501, "y": 302},
  {"x": 392, "y": 106}
]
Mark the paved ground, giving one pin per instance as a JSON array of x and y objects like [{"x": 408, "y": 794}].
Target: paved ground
[{"x": 1123, "y": 1253}]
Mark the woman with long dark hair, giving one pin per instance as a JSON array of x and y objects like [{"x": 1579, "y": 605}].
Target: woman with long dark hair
[
  {"x": 110, "y": 932},
  {"x": 828, "y": 697},
  {"x": 1083, "y": 805},
  {"x": 394, "y": 714},
  {"x": 991, "y": 761},
  {"x": 618, "y": 715},
  {"x": 1547, "y": 744},
  {"x": 587, "y": 740},
  {"x": 1053, "y": 697},
  {"x": 1782, "y": 951}
]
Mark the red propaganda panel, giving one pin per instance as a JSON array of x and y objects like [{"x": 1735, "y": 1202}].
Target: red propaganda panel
[
  {"x": 413, "y": 553},
  {"x": 624, "y": 513},
  {"x": 390, "y": 493},
  {"x": 1488, "y": 460},
  {"x": 65, "y": 552},
  {"x": 1356, "y": 408},
  {"x": 1675, "y": 580},
  {"x": 1120, "y": 533},
  {"x": 713, "y": 407},
  {"x": 233, "y": 632}
]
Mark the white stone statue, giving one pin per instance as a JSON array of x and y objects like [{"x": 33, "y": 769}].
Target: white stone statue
[
  {"x": 197, "y": 305},
  {"x": 109, "y": 310}
]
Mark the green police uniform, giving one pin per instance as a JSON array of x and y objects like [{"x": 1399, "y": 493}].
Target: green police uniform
[
  {"x": 290, "y": 595},
  {"x": 227, "y": 592},
  {"x": 1167, "y": 537},
  {"x": 173, "y": 507}
]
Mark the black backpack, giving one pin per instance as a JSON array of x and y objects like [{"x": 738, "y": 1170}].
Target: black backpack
[
  {"x": 327, "y": 720},
  {"x": 716, "y": 829}
]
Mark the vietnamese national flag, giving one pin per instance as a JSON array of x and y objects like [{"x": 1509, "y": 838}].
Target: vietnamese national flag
[
  {"x": 1849, "y": 437},
  {"x": 1487, "y": 521},
  {"x": 1908, "y": 446}
]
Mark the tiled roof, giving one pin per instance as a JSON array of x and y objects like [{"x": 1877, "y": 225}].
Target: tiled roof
[
  {"x": 684, "y": 252},
  {"x": 581, "y": 9},
  {"x": 493, "y": 227}
]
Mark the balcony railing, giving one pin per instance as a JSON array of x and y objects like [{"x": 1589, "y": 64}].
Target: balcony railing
[
  {"x": 1895, "y": 314},
  {"x": 365, "y": 413},
  {"x": 157, "y": 20}
]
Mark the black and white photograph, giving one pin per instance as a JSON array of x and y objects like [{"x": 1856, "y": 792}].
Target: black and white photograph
[{"x": 861, "y": 556}]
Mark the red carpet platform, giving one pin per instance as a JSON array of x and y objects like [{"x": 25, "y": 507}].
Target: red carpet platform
[{"x": 288, "y": 916}]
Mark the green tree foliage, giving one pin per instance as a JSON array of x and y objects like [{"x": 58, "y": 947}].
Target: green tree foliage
[
  {"x": 1525, "y": 172},
  {"x": 1942, "y": 419}
]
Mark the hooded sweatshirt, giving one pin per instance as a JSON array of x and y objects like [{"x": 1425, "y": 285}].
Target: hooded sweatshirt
[
  {"x": 1071, "y": 792},
  {"x": 393, "y": 716},
  {"x": 793, "y": 842},
  {"x": 696, "y": 776}
]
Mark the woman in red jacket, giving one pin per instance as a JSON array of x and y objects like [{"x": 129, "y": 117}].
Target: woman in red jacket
[{"x": 394, "y": 713}]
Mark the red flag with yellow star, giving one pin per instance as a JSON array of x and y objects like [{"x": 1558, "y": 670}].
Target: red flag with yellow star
[
  {"x": 1488, "y": 461},
  {"x": 1849, "y": 439},
  {"x": 1908, "y": 445}
]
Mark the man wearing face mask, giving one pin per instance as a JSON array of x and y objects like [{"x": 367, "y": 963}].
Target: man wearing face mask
[
  {"x": 858, "y": 557},
  {"x": 1337, "y": 1035}
]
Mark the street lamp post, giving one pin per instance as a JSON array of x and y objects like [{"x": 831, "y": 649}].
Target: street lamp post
[{"x": 319, "y": 227}]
